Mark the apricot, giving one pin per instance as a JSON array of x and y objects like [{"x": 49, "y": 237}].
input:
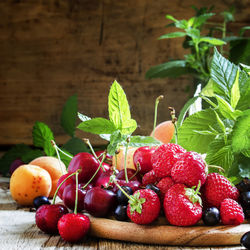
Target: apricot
[
  {"x": 164, "y": 131},
  {"x": 54, "y": 166},
  {"x": 119, "y": 159},
  {"x": 29, "y": 181}
]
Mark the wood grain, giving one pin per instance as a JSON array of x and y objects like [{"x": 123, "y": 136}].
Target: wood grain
[{"x": 53, "y": 49}]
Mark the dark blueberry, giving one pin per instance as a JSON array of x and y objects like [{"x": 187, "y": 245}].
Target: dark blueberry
[
  {"x": 211, "y": 216},
  {"x": 154, "y": 188},
  {"x": 40, "y": 200},
  {"x": 121, "y": 197},
  {"x": 247, "y": 213},
  {"x": 121, "y": 213},
  {"x": 245, "y": 240},
  {"x": 244, "y": 185},
  {"x": 244, "y": 200}
]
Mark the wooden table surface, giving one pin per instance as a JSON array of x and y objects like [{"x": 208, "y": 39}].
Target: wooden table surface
[{"x": 18, "y": 231}]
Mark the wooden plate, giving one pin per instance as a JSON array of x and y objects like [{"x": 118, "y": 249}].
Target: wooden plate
[{"x": 160, "y": 233}]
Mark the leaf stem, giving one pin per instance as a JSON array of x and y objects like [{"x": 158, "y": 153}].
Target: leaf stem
[
  {"x": 58, "y": 149},
  {"x": 157, "y": 100}
]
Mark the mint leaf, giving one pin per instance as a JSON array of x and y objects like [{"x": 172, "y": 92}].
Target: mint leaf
[
  {"x": 68, "y": 116},
  {"x": 140, "y": 141},
  {"x": 97, "y": 126},
  {"x": 128, "y": 127},
  {"x": 208, "y": 90},
  {"x": 241, "y": 134},
  {"x": 244, "y": 86},
  {"x": 115, "y": 140},
  {"x": 223, "y": 72},
  {"x": 42, "y": 136},
  {"x": 75, "y": 146},
  {"x": 172, "y": 35},
  {"x": 199, "y": 121},
  {"x": 235, "y": 91},
  {"x": 213, "y": 41}
]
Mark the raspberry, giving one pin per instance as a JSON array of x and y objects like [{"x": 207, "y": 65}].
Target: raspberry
[{"x": 164, "y": 185}]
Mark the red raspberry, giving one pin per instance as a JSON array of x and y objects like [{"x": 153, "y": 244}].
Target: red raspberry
[
  {"x": 164, "y": 158},
  {"x": 164, "y": 185},
  {"x": 231, "y": 212},
  {"x": 217, "y": 188},
  {"x": 182, "y": 206},
  {"x": 189, "y": 169},
  {"x": 144, "y": 207}
]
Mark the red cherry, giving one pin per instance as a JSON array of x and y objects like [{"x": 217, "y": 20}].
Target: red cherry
[
  {"x": 73, "y": 227},
  {"x": 88, "y": 165},
  {"x": 108, "y": 158},
  {"x": 69, "y": 195},
  {"x": 47, "y": 217},
  {"x": 66, "y": 183},
  {"x": 130, "y": 173},
  {"x": 103, "y": 179},
  {"x": 142, "y": 156},
  {"x": 14, "y": 165},
  {"x": 99, "y": 202},
  {"x": 135, "y": 185}
]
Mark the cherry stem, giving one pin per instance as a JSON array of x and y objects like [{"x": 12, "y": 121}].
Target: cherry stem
[
  {"x": 157, "y": 100},
  {"x": 54, "y": 197},
  {"x": 93, "y": 176},
  {"x": 125, "y": 160},
  {"x": 138, "y": 168},
  {"x": 93, "y": 151},
  {"x": 76, "y": 198},
  {"x": 57, "y": 153},
  {"x": 174, "y": 120},
  {"x": 58, "y": 149}
]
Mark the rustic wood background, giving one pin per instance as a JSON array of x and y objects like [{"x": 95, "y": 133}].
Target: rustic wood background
[{"x": 52, "y": 49}]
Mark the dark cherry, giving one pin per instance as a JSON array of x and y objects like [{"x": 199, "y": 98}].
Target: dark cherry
[
  {"x": 40, "y": 200},
  {"x": 244, "y": 200},
  {"x": 244, "y": 185},
  {"x": 47, "y": 217},
  {"x": 99, "y": 202},
  {"x": 130, "y": 173},
  {"x": 69, "y": 195},
  {"x": 245, "y": 240},
  {"x": 142, "y": 156},
  {"x": 154, "y": 188},
  {"x": 211, "y": 216},
  {"x": 14, "y": 165},
  {"x": 121, "y": 213},
  {"x": 103, "y": 179},
  {"x": 88, "y": 165},
  {"x": 121, "y": 197},
  {"x": 135, "y": 185},
  {"x": 66, "y": 183}
]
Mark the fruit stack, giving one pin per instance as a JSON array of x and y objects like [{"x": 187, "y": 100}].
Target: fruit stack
[{"x": 166, "y": 178}]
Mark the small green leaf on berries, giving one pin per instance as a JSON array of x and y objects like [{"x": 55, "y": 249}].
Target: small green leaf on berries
[{"x": 136, "y": 203}]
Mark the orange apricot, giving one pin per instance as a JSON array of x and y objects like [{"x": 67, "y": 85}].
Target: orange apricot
[
  {"x": 119, "y": 159},
  {"x": 29, "y": 181},
  {"x": 164, "y": 131},
  {"x": 54, "y": 166}
]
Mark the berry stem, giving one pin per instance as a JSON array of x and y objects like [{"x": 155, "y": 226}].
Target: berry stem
[
  {"x": 125, "y": 159},
  {"x": 174, "y": 120},
  {"x": 93, "y": 176},
  {"x": 157, "y": 100},
  {"x": 138, "y": 168},
  {"x": 76, "y": 198},
  {"x": 54, "y": 197}
]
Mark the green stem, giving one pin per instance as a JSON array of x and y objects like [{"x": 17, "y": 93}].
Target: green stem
[
  {"x": 122, "y": 190},
  {"x": 54, "y": 197},
  {"x": 208, "y": 101},
  {"x": 76, "y": 198},
  {"x": 223, "y": 36},
  {"x": 125, "y": 160},
  {"x": 156, "y": 110},
  {"x": 197, "y": 50},
  {"x": 58, "y": 149},
  {"x": 93, "y": 176}
]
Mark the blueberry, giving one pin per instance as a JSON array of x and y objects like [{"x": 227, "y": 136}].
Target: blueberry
[
  {"x": 245, "y": 240},
  {"x": 154, "y": 188},
  {"x": 211, "y": 216},
  {"x": 40, "y": 200},
  {"x": 121, "y": 197},
  {"x": 121, "y": 213}
]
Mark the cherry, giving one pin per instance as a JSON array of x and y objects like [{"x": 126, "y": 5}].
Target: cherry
[
  {"x": 66, "y": 183},
  {"x": 135, "y": 185},
  {"x": 40, "y": 200},
  {"x": 47, "y": 217},
  {"x": 108, "y": 158},
  {"x": 14, "y": 165},
  {"x": 142, "y": 156},
  {"x": 120, "y": 196},
  {"x": 244, "y": 185},
  {"x": 154, "y": 188},
  {"x": 211, "y": 216},
  {"x": 132, "y": 176},
  {"x": 121, "y": 213},
  {"x": 245, "y": 240},
  {"x": 99, "y": 202},
  {"x": 69, "y": 196},
  {"x": 103, "y": 179},
  {"x": 73, "y": 227},
  {"x": 87, "y": 164}
]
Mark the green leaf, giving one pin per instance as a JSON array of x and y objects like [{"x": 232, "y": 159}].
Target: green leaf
[
  {"x": 213, "y": 41},
  {"x": 244, "y": 167},
  {"x": 64, "y": 158},
  {"x": 82, "y": 117},
  {"x": 115, "y": 140},
  {"x": 68, "y": 116},
  {"x": 245, "y": 67},
  {"x": 240, "y": 51},
  {"x": 75, "y": 146},
  {"x": 201, "y": 19},
  {"x": 42, "y": 136},
  {"x": 244, "y": 86},
  {"x": 97, "y": 126},
  {"x": 194, "y": 34},
  {"x": 169, "y": 69},
  {"x": 30, "y": 155},
  {"x": 235, "y": 91},
  {"x": 241, "y": 134},
  {"x": 184, "y": 110},
  {"x": 208, "y": 90},
  {"x": 171, "y": 18},
  {"x": 128, "y": 127},
  {"x": 199, "y": 121},
  {"x": 119, "y": 111},
  {"x": 140, "y": 141},
  {"x": 172, "y": 35},
  {"x": 15, "y": 152},
  {"x": 223, "y": 73}
]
